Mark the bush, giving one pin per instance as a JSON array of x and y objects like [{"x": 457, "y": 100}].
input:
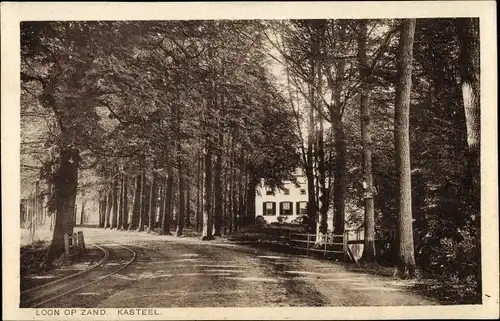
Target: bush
[
  {"x": 300, "y": 220},
  {"x": 455, "y": 260},
  {"x": 282, "y": 219},
  {"x": 260, "y": 221}
]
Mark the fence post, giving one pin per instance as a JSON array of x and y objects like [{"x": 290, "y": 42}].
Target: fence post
[
  {"x": 346, "y": 244},
  {"x": 81, "y": 240},
  {"x": 326, "y": 241},
  {"x": 66, "y": 248}
]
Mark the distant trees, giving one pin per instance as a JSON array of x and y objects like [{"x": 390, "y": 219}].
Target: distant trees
[{"x": 141, "y": 112}]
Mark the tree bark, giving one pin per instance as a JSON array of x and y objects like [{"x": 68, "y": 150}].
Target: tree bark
[
  {"x": 114, "y": 213},
  {"x": 120, "y": 205},
  {"x": 140, "y": 223},
  {"x": 199, "y": 193},
  {"x": 167, "y": 211},
  {"x": 188, "y": 219},
  {"x": 102, "y": 209},
  {"x": 207, "y": 213},
  {"x": 147, "y": 196},
  {"x": 406, "y": 256},
  {"x": 125, "y": 218},
  {"x": 152, "y": 203},
  {"x": 369, "y": 238},
  {"x": 469, "y": 76},
  {"x": 65, "y": 188},
  {"x": 218, "y": 188},
  {"x": 109, "y": 205},
  {"x": 134, "y": 221},
  {"x": 182, "y": 205},
  {"x": 250, "y": 199},
  {"x": 162, "y": 183},
  {"x": 82, "y": 213}
]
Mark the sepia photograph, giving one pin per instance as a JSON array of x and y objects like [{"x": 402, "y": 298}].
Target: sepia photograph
[{"x": 238, "y": 162}]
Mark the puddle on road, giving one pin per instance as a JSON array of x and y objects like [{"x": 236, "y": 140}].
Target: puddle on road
[
  {"x": 203, "y": 274},
  {"x": 374, "y": 288},
  {"x": 217, "y": 266},
  {"x": 161, "y": 276},
  {"x": 254, "y": 279},
  {"x": 341, "y": 280},
  {"x": 190, "y": 255},
  {"x": 88, "y": 293},
  {"x": 306, "y": 273},
  {"x": 41, "y": 277},
  {"x": 185, "y": 260},
  {"x": 273, "y": 257},
  {"x": 223, "y": 271}
]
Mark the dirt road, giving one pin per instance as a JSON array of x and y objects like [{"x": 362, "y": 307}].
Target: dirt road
[{"x": 172, "y": 272}]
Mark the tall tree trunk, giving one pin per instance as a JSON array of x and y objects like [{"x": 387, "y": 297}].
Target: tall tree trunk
[
  {"x": 369, "y": 238},
  {"x": 199, "y": 194},
  {"x": 230, "y": 202},
  {"x": 125, "y": 219},
  {"x": 188, "y": 219},
  {"x": 339, "y": 182},
  {"x": 323, "y": 202},
  {"x": 225, "y": 197},
  {"x": 218, "y": 188},
  {"x": 102, "y": 209},
  {"x": 134, "y": 221},
  {"x": 152, "y": 203},
  {"x": 312, "y": 206},
  {"x": 167, "y": 211},
  {"x": 120, "y": 205},
  {"x": 182, "y": 205},
  {"x": 250, "y": 199},
  {"x": 406, "y": 256},
  {"x": 207, "y": 213},
  {"x": 469, "y": 76},
  {"x": 82, "y": 213},
  {"x": 109, "y": 206},
  {"x": 162, "y": 187},
  {"x": 147, "y": 196},
  {"x": 140, "y": 223},
  {"x": 65, "y": 188},
  {"x": 234, "y": 193},
  {"x": 114, "y": 213}
]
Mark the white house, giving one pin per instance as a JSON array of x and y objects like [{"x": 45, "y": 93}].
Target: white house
[{"x": 289, "y": 202}]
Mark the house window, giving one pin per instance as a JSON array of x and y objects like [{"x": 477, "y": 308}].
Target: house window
[
  {"x": 286, "y": 208},
  {"x": 301, "y": 208},
  {"x": 302, "y": 191},
  {"x": 269, "y": 208},
  {"x": 269, "y": 192},
  {"x": 287, "y": 191}
]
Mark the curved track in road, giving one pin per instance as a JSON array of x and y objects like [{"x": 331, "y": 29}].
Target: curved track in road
[
  {"x": 53, "y": 283},
  {"x": 52, "y": 291}
]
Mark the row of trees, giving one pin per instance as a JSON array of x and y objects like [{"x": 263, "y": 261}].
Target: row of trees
[
  {"x": 187, "y": 117},
  {"x": 187, "y": 111},
  {"x": 403, "y": 166}
]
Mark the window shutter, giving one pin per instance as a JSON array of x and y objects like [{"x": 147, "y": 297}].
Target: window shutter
[
  {"x": 263, "y": 208},
  {"x": 297, "y": 207},
  {"x": 274, "y": 208},
  {"x": 281, "y": 208}
]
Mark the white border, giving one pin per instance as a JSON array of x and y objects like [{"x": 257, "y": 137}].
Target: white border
[{"x": 13, "y": 13}]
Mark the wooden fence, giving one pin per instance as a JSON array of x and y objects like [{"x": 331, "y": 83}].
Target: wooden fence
[{"x": 328, "y": 244}]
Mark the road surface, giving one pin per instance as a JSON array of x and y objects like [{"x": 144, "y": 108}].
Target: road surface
[{"x": 173, "y": 272}]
